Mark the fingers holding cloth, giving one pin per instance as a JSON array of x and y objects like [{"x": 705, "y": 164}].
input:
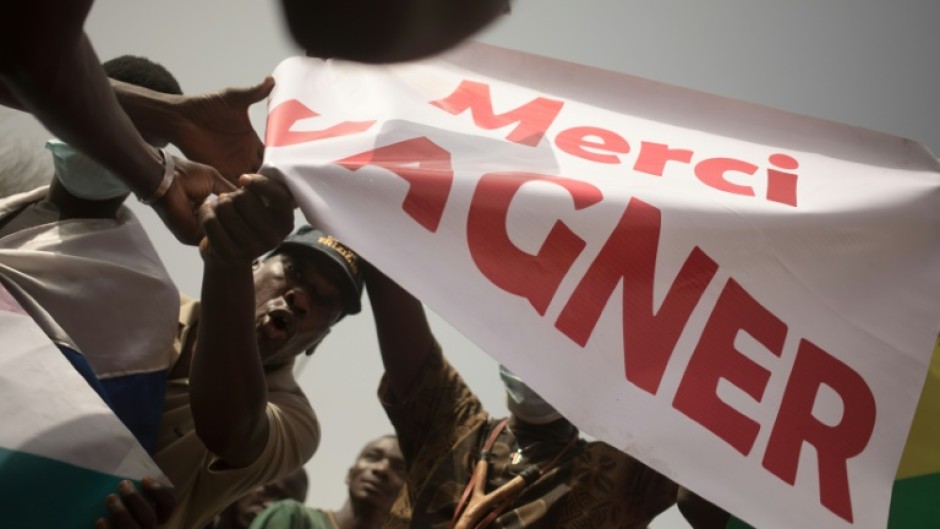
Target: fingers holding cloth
[
  {"x": 245, "y": 223},
  {"x": 187, "y": 184},
  {"x": 133, "y": 508}
]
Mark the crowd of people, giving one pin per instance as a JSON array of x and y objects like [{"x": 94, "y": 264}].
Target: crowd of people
[{"x": 213, "y": 396}]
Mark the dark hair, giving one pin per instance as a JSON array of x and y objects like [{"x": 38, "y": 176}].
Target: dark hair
[{"x": 143, "y": 72}]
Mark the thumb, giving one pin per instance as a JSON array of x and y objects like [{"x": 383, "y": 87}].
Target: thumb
[
  {"x": 253, "y": 94},
  {"x": 204, "y": 247}
]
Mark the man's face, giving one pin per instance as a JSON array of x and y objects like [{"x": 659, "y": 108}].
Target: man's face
[
  {"x": 378, "y": 474},
  {"x": 296, "y": 302}
]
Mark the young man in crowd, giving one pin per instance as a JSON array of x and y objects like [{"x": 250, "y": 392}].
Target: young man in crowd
[
  {"x": 234, "y": 416},
  {"x": 373, "y": 481},
  {"x": 467, "y": 470}
]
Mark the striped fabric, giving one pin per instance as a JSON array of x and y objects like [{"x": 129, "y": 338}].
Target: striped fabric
[
  {"x": 62, "y": 450},
  {"x": 98, "y": 286}
]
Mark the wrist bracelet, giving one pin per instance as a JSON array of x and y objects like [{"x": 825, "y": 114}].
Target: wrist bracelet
[{"x": 169, "y": 173}]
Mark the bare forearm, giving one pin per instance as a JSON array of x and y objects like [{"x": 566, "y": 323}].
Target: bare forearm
[
  {"x": 227, "y": 387},
  {"x": 70, "y": 94},
  {"x": 405, "y": 338},
  {"x": 155, "y": 114}
]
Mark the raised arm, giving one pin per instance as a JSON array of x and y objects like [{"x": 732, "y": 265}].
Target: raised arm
[
  {"x": 211, "y": 128},
  {"x": 66, "y": 88},
  {"x": 228, "y": 392},
  {"x": 48, "y": 66},
  {"x": 405, "y": 338}
]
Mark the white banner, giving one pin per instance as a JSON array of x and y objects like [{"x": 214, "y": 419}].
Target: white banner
[{"x": 744, "y": 299}]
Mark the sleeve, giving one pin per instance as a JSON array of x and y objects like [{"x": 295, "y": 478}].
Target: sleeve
[
  {"x": 285, "y": 514},
  {"x": 295, "y": 428},
  {"x": 438, "y": 411},
  {"x": 293, "y": 437}
]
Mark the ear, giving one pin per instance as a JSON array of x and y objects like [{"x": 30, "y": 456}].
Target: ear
[{"x": 256, "y": 264}]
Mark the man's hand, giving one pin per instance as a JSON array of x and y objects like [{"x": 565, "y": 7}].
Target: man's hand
[
  {"x": 133, "y": 510},
  {"x": 178, "y": 207},
  {"x": 217, "y": 131},
  {"x": 244, "y": 224}
]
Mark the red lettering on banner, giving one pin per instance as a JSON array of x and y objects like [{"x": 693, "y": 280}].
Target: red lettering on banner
[
  {"x": 653, "y": 157},
  {"x": 715, "y": 357},
  {"x": 424, "y": 165},
  {"x": 713, "y": 170},
  {"x": 575, "y": 141},
  {"x": 835, "y": 444},
  {"x": 628, "y": 257},
  {"x": 781, "y": 187},
  {"x": 532, "y": 121},
  {"x": 532, "y": 118},
  {"x": 649, "y": 335},
  {"x": 282, "y": 118},
  {"x": 534, "y": 277}
]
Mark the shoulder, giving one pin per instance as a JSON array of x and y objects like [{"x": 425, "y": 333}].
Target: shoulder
[
  {"x": 287, "y": 514},
  {"x": 15, "y": 202}
]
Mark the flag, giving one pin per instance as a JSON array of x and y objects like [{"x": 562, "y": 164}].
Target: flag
[
  {"x": 62, "y": 450},
  {"x": 915, "y": 502},
  {"x": 85, "y": 274}
]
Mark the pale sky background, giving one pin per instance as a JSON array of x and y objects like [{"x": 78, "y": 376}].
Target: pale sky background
[{"x": 870, "y": 63}]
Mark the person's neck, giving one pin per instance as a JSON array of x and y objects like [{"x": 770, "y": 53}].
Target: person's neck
[
  {"x": 71, "y": 207},
  {"x": 361, "y": 517}
]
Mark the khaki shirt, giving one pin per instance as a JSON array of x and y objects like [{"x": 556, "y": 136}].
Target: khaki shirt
[{"x": 204, "y": 485}]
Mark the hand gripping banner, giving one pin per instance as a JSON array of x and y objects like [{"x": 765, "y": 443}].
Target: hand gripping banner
[{"x": 744, "y": 299}]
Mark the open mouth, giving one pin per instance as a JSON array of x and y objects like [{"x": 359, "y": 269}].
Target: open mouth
[{"x": 278, "y": 324}]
